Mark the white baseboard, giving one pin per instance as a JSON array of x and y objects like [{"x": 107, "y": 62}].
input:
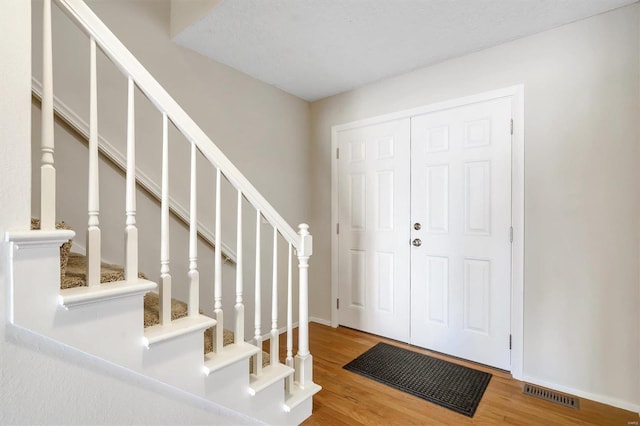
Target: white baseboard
[
  {"x": 614, "y": 402},
  {"x": 78, "y": 248},
  {"x": 320, "y": 321},
  {"x": 267, "y": 336}
]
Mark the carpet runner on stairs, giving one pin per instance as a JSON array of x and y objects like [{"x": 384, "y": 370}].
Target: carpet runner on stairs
[{"x": 75, "y": 276}]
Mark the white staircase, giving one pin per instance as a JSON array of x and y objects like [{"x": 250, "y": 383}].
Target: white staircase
[{"x": 106, "y": 320}]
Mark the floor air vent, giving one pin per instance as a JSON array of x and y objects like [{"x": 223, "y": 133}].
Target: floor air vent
[{"x": 551, "y": 396}]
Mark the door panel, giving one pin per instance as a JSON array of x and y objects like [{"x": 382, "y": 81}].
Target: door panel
[
  {"x": 373, "y": 197},
  {"x": 450, "y": 172},
  {"x": 461, "y": 195}
]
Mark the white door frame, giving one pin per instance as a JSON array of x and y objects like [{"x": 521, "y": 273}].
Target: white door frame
[{"x": 517, "y": 204}]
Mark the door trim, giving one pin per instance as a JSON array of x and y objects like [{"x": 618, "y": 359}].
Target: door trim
[{"x": 517, "y": 203}]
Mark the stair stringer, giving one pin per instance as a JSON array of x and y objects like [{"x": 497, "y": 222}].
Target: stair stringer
[{"x": 112, "y": 329}]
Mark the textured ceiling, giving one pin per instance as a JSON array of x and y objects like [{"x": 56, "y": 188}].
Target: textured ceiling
[{"x": 318, "y": 48}]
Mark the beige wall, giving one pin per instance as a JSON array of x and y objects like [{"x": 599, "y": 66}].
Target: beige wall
[
  {"x": 263, "y": 130},
  {"x": 581, "y": 326}
]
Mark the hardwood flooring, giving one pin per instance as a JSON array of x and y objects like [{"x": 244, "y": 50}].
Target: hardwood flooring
[{"x": 350, "y": 399}]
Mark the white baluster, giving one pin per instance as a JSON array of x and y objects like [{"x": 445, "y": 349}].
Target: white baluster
[
  {"x": 218, "y": 269},
  {"x": 194, "y": 275},
  {"x": 289, "y": 360},
  {"x": 93, "y": 229},
  {"x": 165, "y": 275},
  {"x": 257, "y": 360},
  {"x": 131, "y": 232},
  {"x": 274, "y": 345},
  {"x": 303, "y": 361},
  {"x": 239, "y": 331},
  {"x": 47, "y": 169}
]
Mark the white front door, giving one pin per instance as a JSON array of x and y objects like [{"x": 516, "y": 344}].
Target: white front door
[
  {"x": 373, "y": 238},
  {"x": 461, "y": 219}
]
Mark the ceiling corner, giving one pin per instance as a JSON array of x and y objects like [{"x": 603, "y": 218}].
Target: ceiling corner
[{"x": 185, "y": 13}]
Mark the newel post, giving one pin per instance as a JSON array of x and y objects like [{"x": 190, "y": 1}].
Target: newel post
[{"x": 304, "y": 360}]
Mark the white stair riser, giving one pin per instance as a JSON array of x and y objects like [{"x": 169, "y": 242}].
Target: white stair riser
[
  {"x": 301, "y": 412},
  {"x": 178, "y": 362},
  {"x": 229, "y": 386},
  {"x": 268, "y": 404},
  {"x": 110, "y": 329}
]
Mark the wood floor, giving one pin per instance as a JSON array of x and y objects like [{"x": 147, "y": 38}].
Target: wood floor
[{"x": 350, "y": 399}]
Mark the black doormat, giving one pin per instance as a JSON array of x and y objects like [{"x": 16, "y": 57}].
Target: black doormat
[{"x": 441, "y": 382}]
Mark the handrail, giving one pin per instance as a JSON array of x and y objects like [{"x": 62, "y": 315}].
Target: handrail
[
  {"x": 130, "y": 66},
  {"x": 106, "y": 148}
]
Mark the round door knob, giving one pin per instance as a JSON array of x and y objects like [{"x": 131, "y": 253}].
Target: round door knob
[
  {"x": 417, "y": 242},
  {"x": 417, "y": 226}
]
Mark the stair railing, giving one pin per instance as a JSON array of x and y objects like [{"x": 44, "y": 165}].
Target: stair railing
[{"x": 138, "y": 77}]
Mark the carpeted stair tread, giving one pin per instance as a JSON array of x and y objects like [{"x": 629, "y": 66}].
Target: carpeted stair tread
[
  {"x": 179, "y": 309},
  {"x": 76, "y": 273},
  {"x": 76, "y": 276}
]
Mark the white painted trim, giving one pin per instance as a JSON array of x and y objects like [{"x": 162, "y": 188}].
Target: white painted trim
[
  {"x": 39, "y": 239},
  {"x": 230, "y": 354},
  {"x": 281, "y": 330},
  {"x": 270, "y": 374},
  {"x": 320, "y": 321},
  {"x": 300, "y": 395},
  {"x": 517, "y": 221},
  {"x": 80, "y": 13},
  {"x": 439, "y": 106},
  {"x": 335, "y": 291},
  {"x": 81, "y": 249},
  {"x": 614, "y": 402},
  {"x": 80, "y": 296},
  {"x": 186, "y": 325},
  {"x": 106, "y": 148},
  {"x": 517, "y": 201}
]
